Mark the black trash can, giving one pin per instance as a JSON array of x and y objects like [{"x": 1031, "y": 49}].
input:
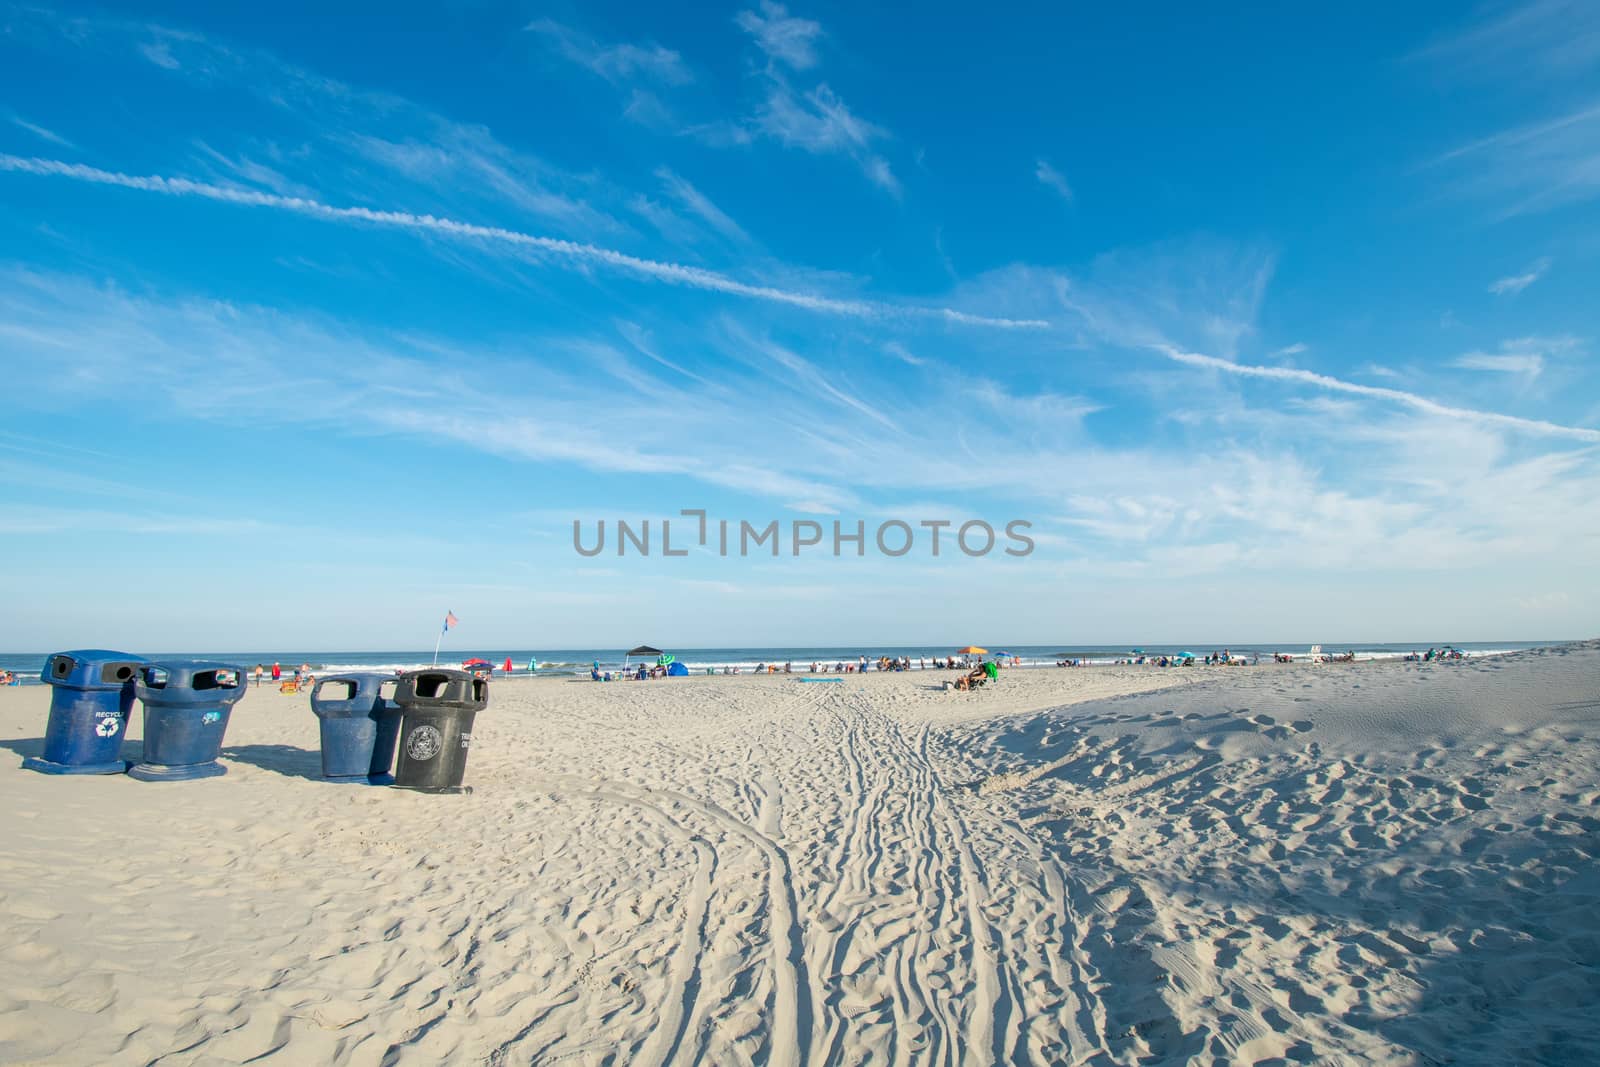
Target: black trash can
[{"x": 439, "y": 707}]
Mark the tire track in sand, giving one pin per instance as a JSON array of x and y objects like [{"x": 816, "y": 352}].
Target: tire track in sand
[{"x": 793, "y": 1017}]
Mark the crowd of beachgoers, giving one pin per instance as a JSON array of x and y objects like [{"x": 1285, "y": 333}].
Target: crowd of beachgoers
[{"x": 863, "y": 664}]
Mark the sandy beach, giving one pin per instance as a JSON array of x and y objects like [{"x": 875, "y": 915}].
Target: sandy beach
[{"x": 1371, "y": 863}]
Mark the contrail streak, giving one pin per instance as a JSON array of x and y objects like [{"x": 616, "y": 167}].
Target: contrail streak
[
  {"x": 669, "y": 273},
  {"x": 1398, "y": 396}
]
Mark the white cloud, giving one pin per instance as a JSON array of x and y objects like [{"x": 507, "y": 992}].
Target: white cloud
[
  {"x": 1517, "y": 282},
  {"x": 160, "y": 53},
  {"x": 1545, "y": 164},
  {"x": 900, "y": 352},
  {"x": 1052, "y": 179},
  {"x": 1536, "y": 427},
  {"x": 817, "y": 121},
  {"x": 878, "y": 171},
  {"x": 561, "y": 251},
  {"x": 41, "y": 132},
  {"x": 1525, "y": 356},
  {"x": 1198, "y": 293},
  {"x": 700, "y": 205},
  {"x": 1544, "y": 601},
  {"x": 614, "y": 62},
  {"x": 648, "y": 110},
  {"x": 781, "y": 36},
  {"x": 1530, "y": 365},
  {"x": 1290, "y": 350},
  {"x": 814, "y": 119},
  {"x": 1558, "y": 37}
]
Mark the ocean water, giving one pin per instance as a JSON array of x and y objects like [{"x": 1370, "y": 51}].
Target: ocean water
[{"x": 577, "y": 661}]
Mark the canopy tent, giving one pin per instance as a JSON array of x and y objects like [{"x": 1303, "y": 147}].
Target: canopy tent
[{"x": 642, "y": 650}]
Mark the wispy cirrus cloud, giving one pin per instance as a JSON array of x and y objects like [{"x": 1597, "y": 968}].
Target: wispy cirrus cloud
[
  {"x": 818, "y": 121},
  {"x": 1557, "y": 37},
  {"x": 561, "y": 250},
  {"x": 1515, "y": 283},
  {"x": 783, "y": 37},
  {"x": 1529, "y": 364},
  {"x": 1551, "y": 46},
  {"x": 788, "y": 414},
  {"x": 614, "y": 62},
  {"x": 1539, "y": 166},
  {"x": 903, "y": 354},
  {"x": 376, "y": 141},
  {"x": 1536, "y": 427},
  {"x": 1053, "y": 180},
  {"x": 1523, "y": 356},
  {"x": 41, "y": 132},
  {"x": 814, "y": 119},
  {"x": 700, "y": 205}
]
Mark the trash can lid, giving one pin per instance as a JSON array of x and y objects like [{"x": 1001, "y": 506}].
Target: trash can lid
[
  {"x": 192, "y": 675},
  {"x": 91, "y": 668},
  {"x": 442, "y": 687},
  {"x": 359, "y": 687}
]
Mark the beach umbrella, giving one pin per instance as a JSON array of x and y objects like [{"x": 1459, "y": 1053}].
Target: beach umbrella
[
  {"x": 475, "y": 662},
  {"x": 972, "y": 650},
  {"x": 1184, "y": 655}
]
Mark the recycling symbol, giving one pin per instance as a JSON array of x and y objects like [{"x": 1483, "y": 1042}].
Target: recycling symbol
[{"x": 107, "y": 725}]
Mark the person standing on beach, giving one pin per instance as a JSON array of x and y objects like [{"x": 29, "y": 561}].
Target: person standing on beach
[
  {"x": 277, "y": 672},
  {"x": 260, "y": 670}
]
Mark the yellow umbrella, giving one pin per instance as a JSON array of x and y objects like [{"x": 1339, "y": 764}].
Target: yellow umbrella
[{"x": 973, "y": 650}]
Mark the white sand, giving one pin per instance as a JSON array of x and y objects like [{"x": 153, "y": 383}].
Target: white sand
[{"x": 1390, "y": 863}]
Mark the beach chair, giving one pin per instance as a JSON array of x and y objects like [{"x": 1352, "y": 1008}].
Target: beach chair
[{"x": 288, "y": 685}]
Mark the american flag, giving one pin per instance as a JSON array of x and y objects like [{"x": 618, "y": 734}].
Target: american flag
[{"x": 449, "y": 621}]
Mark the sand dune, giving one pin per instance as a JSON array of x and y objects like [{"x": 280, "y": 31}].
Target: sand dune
[{"x": 1372, "y": 864}]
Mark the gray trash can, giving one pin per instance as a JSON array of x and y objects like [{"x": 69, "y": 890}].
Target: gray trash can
[{"x": 439, "y": 707}]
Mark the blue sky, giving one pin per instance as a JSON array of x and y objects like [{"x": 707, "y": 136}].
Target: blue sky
[{"x": 1277, "y": 325}]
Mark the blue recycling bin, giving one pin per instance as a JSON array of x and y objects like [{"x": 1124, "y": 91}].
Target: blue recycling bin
[
  {"x": 88, "y": 711},
  {"x": 359, "y": 726},
  {"x": 186, "y": 708}
]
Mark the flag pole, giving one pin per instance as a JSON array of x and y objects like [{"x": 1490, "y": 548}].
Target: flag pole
[{"x": 449, "y": 617}]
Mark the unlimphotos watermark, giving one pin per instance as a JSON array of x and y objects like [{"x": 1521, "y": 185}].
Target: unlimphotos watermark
[{"x": 740, "y": 537}]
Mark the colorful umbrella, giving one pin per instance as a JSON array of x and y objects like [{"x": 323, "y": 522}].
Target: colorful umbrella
[{"x": 972, "y": 650}]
